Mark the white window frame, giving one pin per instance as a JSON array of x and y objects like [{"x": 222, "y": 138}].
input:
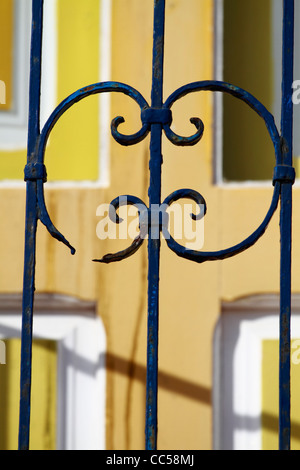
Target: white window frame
[
  {"x": 81, "y": 376},
  {"x": 242, "y": 327},
  {"x": 14, "y": 122}
]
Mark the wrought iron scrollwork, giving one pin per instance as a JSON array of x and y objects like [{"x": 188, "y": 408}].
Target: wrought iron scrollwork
[
  {"x": 200, "y": 257},
  {"x": 49, "y": 125},
  {"x": 163, "y": 117},
  {"x": 138, "y": 241}
]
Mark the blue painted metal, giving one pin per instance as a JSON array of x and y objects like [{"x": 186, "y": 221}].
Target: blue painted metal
[
  {"x": 286, "y": 225},
  {"x": 31, "y": 226},
  {"x": 153, "y": 242},
  {"x": 35, "y": 176},
  {"x": 155, "y": 119}
]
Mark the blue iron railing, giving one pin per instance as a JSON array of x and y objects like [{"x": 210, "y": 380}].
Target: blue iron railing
[{"x": 157, "y": 118}]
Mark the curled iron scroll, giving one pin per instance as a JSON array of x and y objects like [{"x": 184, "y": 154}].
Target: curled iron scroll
[
  {"x": 103, "y": 87},
  {"x": 138, "y": 241},
  {"x": 97, "y": 88},
  {"x": 200, "y": 257},
  {"x": 259, "y": 108},
  {"x": 224, "y": 87}
]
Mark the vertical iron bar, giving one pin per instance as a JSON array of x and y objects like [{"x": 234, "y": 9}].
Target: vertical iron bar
[
  {"x": 286, "y": 226},
  {"x": 30, "y": 225},
  {"x": 154, "y": 237}
]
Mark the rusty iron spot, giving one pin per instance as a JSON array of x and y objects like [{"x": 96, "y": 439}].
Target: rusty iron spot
[{"x": 88, "y": 88}]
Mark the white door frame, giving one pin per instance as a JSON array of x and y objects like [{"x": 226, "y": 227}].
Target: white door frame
[
  {"x": 242, "y": 327},
  {"x": 81, "y": 367}
]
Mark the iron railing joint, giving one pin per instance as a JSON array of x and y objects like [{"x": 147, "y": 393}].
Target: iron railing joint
[
  {"x": 284, "y": 174},
  {"x": 35, "y": 171},
  {"x": 153, "y": 115}
]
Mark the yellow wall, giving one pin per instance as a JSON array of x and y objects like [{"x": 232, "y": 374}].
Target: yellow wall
[
  {"x": 191, "y": 294},
  {"x": 78, "y": 37}
]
